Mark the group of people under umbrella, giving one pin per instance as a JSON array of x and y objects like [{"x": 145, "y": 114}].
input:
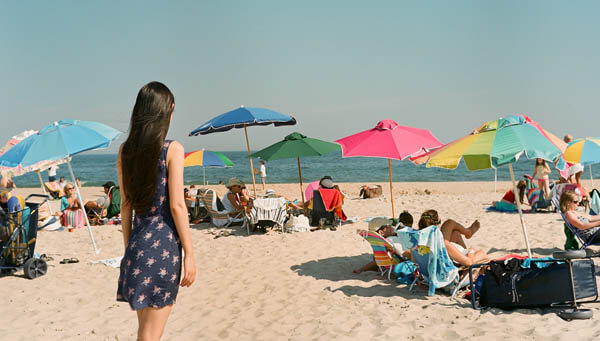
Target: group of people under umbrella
[{"x": 491, "y": 145}]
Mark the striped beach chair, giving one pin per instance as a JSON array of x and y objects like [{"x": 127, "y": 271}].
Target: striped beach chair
[
  {"x": 220, "y": 218},
  {"x": 383, "y": 252}
]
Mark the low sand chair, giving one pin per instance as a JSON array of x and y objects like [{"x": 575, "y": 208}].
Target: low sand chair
[
  {"x": 54, "y": 189},
  {"x": 383, "y": 252},
  {"x": 220, "y": 218}
]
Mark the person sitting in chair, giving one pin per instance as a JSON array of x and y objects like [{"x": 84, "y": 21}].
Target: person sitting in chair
[
  {"x": 453, "y": 233},
  {"x": 70, "y": 208},
  {"x": 112, "y": 203},
  {"x": 586, "y": 226},
  {"x": 234, "y": 200}
]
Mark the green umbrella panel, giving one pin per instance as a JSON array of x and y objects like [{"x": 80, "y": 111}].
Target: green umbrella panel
[{"x": 296, "y": 145}]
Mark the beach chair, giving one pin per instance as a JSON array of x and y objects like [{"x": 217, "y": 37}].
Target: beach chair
[
  {"x": 197, "y": 211},
  {"x": 383, "y": 252},
  {"x": 594, "y": 202},
  {"x": 319, "y": 215},
  {"x": 53, "y": 189},
  {"x": 268, "y": 211},
  {"x": 220, "y": 218},
  {"x": 435, "y": 268},
  {"x": 574, "y": 230}
]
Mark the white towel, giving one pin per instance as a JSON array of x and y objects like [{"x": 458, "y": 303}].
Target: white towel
[
  {"x": 112, "y": 262},
  {"x": 272, "y": 209}
]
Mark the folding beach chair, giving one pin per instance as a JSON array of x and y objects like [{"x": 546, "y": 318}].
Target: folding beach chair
[
  {"x": 319, "y": 215},
  {"x": 54, "y": 189},
  {"x": 220, "y": 218},
  {"x": 574, "y": 230},
  {"x": 268, "y": 211},
  {"x": 383, "y": 252},
  {"x": 435, "y": 267}
]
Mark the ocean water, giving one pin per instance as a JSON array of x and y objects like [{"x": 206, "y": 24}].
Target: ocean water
[{"x": 95, "y": 169}]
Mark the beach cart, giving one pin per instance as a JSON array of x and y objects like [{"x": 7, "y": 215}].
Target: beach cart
[
  {"x": 18, "y": 233},
  {"x": 563, "y": 281}
]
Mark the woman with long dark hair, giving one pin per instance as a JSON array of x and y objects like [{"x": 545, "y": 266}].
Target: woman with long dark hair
[{"x": 150, "y": 171}]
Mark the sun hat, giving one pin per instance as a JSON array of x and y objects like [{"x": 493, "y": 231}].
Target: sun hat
[
  {"x": 269, "y": 192},
  {"x": 377, "y": 222},
  {"x": 327, "y": 183},
  {"x": 576, "y": 168},
  {"x": 234, "y": 182}
]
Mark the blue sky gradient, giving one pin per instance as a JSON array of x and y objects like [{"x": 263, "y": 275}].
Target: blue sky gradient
[{"x": 338, "y": 66}]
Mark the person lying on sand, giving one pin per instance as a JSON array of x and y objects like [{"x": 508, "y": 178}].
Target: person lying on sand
[
  {"x": 508, "y": 201},
  {"x": 453, "y": 233}
]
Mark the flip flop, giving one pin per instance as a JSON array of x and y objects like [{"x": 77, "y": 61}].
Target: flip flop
[
  {"x": 46, "y": 258},
  {"x": 69, "y": 260}
]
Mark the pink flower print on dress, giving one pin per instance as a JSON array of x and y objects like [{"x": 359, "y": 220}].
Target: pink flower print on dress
[
  {"x": 156, "y": 290},
  {"x": 165, "y": 254},
  {"x": 141, "y": 298},
  {"x": 150, "y": 261},
  {"x": 136, "y": 272},
  {"x": 133, "y": 244},
  {"x": 129, "y": 262},
  {"x": 148, "y": 235},
  {"x": 175, "y": 259},
  {"x": 156, "y": 244},
  {"x": 163, "y": 180},
  {"x": 163, "y": 162},
  {"x": 160, "y": 226},
  {"x": 139, "y": 254},
  {"x": 162, "y": 273},
  {"x": 173, "y": 278},
  {"x": 162, "y": 198},
  {"x": 130, "y": 292},
  {"x": 147, "y": 281},
  {"x": 170, "y": 236},
  {"x": 167, "y": 295}
]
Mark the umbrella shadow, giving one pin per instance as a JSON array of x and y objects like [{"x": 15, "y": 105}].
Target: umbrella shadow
[{"x": 538, "y": 250}]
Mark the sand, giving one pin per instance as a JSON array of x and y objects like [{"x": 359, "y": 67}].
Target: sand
[{"x": 292, "y": 286}]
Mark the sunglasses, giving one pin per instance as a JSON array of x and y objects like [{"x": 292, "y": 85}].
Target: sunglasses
[{"x": 575, "y": 202}]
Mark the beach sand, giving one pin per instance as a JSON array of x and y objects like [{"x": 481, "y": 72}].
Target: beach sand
[{"x": 292, "y": 286}]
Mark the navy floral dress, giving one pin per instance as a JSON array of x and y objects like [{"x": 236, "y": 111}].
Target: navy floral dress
[{"x": 151, "y": 267}]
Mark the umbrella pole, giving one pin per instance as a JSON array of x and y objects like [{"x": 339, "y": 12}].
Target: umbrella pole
[
  {"x": 203, "y": 176},
  {"x": 591, "y": 177},
  {"x": 45, "y": 193},
  {"x": 391, "y": 188},
  {"x": 250, "y": 158},
  {"x": 82, "y": 207},
  {"x": 495, "y": 178},
  {"x": 300, "y": 176},
  {"x": 518, "y": 201}
]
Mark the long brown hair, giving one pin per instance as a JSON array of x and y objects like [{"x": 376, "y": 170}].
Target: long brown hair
[
  {"x": 522, "y": 187},
  {"x": 140, "y": 153},
  {"x": 428, "y": 218}
]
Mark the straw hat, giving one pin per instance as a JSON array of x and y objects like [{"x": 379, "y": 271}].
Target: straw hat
[
  {"x": 234, "y": 182},
  {"x": 377, "y": 222}
]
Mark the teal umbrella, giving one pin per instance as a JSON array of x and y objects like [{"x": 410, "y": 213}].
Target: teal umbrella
[{"x": 296, "y": 145}]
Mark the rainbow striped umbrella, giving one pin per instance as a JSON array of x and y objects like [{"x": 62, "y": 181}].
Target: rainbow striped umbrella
[
  {"x": 497, "y": 143},
  {"x": 585, "y": 151},
  {"x": 206, "y": 158}
]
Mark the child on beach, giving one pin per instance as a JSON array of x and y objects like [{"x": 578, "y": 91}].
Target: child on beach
[
  {"x": 263, "y": 174},
  {"x": 508, "y": 202},
  {"x": 151, "y": 182},
  {"x": 541, "y": 171}
]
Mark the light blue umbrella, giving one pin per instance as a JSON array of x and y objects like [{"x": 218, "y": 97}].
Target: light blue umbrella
[
  {"x": 243, "y": 117},
  {"x": 60, "y": 140}
]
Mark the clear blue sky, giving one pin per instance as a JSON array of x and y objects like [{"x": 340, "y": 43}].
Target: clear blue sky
[{"x": 338, "y": 66}]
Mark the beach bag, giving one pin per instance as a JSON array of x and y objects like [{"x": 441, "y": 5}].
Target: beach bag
[
  {"x": 367, "y": 192},
  {"x": 73, "y": 218},
  {"x": 405, "y": 272},
  {"x": 297, "y": 224}
]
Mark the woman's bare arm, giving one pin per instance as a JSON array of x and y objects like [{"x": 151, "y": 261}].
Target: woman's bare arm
[
  {"x": 572, "y": 218},
  {"x": 179, "y": 210},
  {"x": 126, "y": 211}
]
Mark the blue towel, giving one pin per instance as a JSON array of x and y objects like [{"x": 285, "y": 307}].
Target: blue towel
[
  {"x": 429, "y": 253},
  {"x": 595, "y": 203}
]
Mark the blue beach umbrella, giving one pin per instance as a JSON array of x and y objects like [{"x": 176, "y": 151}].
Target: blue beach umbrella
[
  {"x": 243, "y": 117},
  {"x": 60, "y": 140}
]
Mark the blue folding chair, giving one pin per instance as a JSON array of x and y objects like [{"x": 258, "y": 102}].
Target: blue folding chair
[{"x": 583, "y": 242}]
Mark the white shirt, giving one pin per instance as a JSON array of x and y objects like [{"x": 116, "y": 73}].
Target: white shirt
[
  {"x": 263, "y": 171},
  {"x": 52, "y": 171}
]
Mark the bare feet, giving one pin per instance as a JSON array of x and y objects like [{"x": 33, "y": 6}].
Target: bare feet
[{"x": 474, "y": 228}]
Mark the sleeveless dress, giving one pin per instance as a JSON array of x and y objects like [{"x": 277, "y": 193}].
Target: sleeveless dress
[{"x": 151, "y": 268}]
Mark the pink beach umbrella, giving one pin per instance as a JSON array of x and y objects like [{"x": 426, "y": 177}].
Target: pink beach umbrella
[
  {"x": 310, "y": 188},
  {"x": 391, "y": 141}
]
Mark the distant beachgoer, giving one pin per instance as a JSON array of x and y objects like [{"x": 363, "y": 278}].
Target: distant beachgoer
[
  {"x": 541, "y": 172},
  {"x": 78, "y": 182},
  {"x": 152, "y": 186},
  {"x": 575, "y": 173},
  {"x": 11, "y": 203},
  {"x": 263, "y": 174},
  {"x": 70, "y": 209},
  {"x": 220, "y": 182},
  {"x": 6, "y": 182},
  {"x": 508, "y": 201},
  {"x": 235, "y": 200},
  {"x": 453, "y": 233},
  {"x": 52, "y": 173},
  {"x": 564, "y": 173},
  {"x": 62, "y": 183}
]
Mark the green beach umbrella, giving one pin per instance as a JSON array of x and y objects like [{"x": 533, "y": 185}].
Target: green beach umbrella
[{"x": 296, "y": 145}]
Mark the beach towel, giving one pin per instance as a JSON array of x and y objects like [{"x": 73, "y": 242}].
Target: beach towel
[
  {"x": 272, "y": 209},
  {"x": 73, "y": 218},
  {"x": 112, "y": 262},
  {"x": 333, "y": 200},
  {"x": 594, "y": 202},
  {"x": 427, "y": 245}
]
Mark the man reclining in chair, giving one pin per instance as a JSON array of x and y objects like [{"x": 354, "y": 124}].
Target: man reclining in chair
[{"x": 113, "y": 206}]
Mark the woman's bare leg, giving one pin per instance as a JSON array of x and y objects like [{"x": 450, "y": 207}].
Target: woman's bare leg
[
  {"x": 453, "y": 231},
  {"x": 152, "y": 322},
  {"x": 371, "y": 266}
]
